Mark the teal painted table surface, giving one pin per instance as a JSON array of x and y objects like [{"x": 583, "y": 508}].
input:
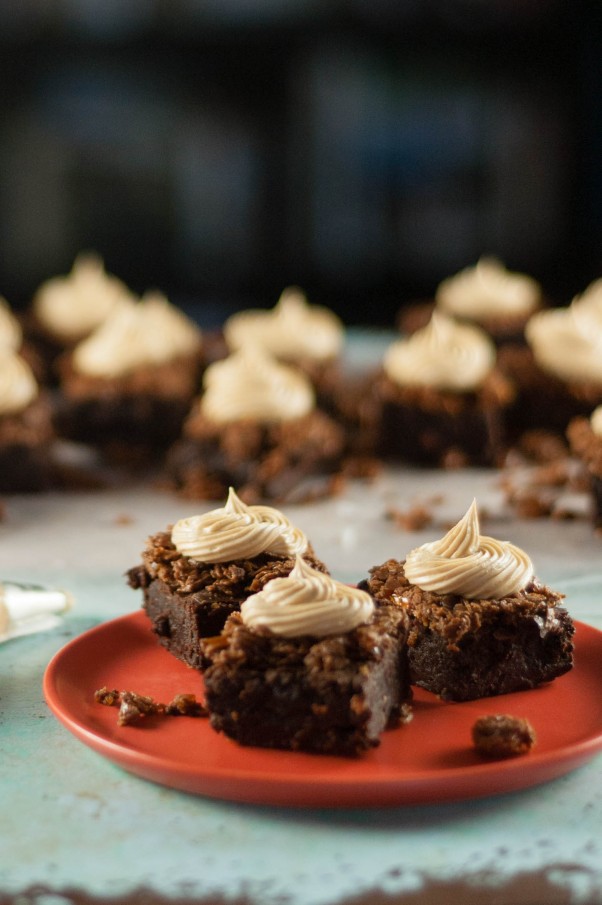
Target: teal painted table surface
[{"x": 77, "y": 828}]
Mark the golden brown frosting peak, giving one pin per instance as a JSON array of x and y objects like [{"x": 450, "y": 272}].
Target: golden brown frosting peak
[
  {"x": 488, "y": 290},
  {"x": 251, "y": 385},
  {"x": 307, "y": 602},
  {"x": 72, "y": 306},
  {"x": 567, "y": 342},
  {"x": 292, "y": 330},
  {"x": 237, "y": 531},
  {"x": 445, "y": 354},
  {"x": 149, "y": 332},
  {"x": 469, "y": 564}
]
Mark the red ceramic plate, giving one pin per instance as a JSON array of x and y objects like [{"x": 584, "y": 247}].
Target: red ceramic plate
[{"x": 429, "y": 760}]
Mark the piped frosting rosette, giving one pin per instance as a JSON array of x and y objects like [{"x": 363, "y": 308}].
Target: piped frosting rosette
[
  {"x": 18, "y": 386},
  {"x": 292, "y": 330},
  {"x": 307, "y": 602},
  {"x": 469, "y": 564},
  {"x": 567, "y": 342},
  {"x": 488, "y": 290},
  {"x": 445, "y": 355},
  {"x": 249, "y": 384},
  {"x": 237, "y": 531},
  {"x": 149, "y": 332},
  {"x": 71, "y": 306}
]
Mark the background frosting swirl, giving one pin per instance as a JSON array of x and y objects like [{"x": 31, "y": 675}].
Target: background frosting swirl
[
  {"x": 567, "y": 342},
  {"x": 292, "y": 330},
  {"x": 151, "y": 331},
  {"x": 237, "y": 531},
  {"x": 72, "y": 306},
  {"x": 488, "y": 289},
  {"x": 307, "y": 602},
  {"x": 444, "y": 354},
  {"x": 469, "y": 564},
  {"x": 248, "y": 384}
]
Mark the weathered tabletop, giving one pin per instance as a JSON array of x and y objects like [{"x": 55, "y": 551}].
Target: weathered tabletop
[{"x": 75, "y": 827}]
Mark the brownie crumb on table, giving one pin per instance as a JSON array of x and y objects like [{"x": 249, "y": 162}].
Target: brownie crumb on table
[
  {"x": 134, "y": 707},
  {"x": 500, "y": 735},
  {"x": 415, "y": 518}
]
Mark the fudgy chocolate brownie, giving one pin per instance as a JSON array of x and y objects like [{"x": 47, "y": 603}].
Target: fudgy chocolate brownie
[
  {"x": 263, "y": 461},
  {"x": 333, "y": 695},
  {"x": 141, "y": 412},
  {"x": 544, "y": 401},
  {"x": 426, "y": 426},
  {"x": 467, "y": 649},
  {"x": 187, "y": 600}
]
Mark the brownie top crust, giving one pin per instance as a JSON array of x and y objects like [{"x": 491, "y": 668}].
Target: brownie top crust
[
  {"x": 184, "y": 575},
  {"x": 454, "y": 617},
  {"x": 334, "y": 658},
  {"x": 495, "y": 392}
]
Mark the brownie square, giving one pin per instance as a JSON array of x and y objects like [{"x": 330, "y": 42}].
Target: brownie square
[
  {"x": 462, "y": 650},
  {"x": 186, "y": 600},
  {"x": 275, "y": 461},
  {"x": 138, "y": 414},
  {"x": 426, "y": 426},
  {"x": 543, "y": 401},
  {"x": 333, "y": 695}
]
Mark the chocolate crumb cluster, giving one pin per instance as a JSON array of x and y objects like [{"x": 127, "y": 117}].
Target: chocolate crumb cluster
[
  {"x": 134, "y": 707},
  {"x": 499, "y": 736}
]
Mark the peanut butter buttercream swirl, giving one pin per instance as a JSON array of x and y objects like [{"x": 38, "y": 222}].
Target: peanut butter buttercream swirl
[
  {"x": 237, "y": 531},
  {"x": 71, "y": 306},
  {"x": 292, "y": 330},
  {"x": 307, "y": 602},
  {"x": 445, "y": 355},
  {"x": 18, "y": 386},
  {"x": 567, "y": 342},
  {"x": 488, "y": 290},
  {"x": 469, "y": 564},
  {"x": 250, "y": 385},
  {"x": 11, "y": 335},
  {"x": 149, "y": 332}
]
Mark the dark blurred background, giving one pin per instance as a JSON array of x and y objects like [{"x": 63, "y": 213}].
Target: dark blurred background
[{"x": 364, "y": 149}]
